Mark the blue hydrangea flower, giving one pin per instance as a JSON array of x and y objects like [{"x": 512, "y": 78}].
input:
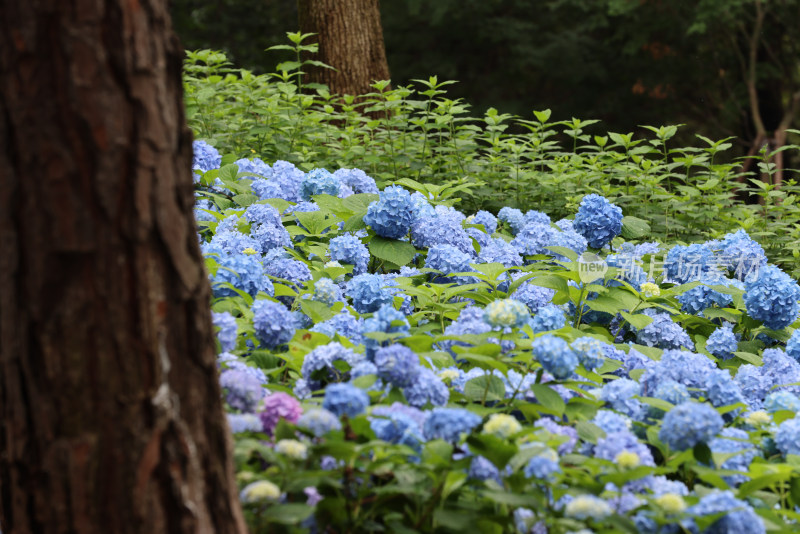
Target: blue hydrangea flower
[
  {"x": 392, "y": 215},
  {"x": 754, "y": 385},
  {"x": 244, "y": 422},
  {"x": 771, "y": 297},
  {"x": 398, "y": 428},
  {"x": 543, "y": 466},
  {"x": 534, "y": 296},
  {"x": 569, "y": 239},
  {"x": 688, "y": 424},
  {"x": 205, "y": 157},
  {"x": 302, "y": 207},
  {"x": 779, "y": 369},
  {"x": 722, "y": 390},
  {"x": 701, "y": 297},
  {"x": 422, "y": 208},
  {"x": 533, "y": 238},
  {"x": 344, "y": 324},
  {"x": 449, "y": 423},
  {"x": 536, "y": 217},
  {"x": 787, "y": 438},
  {"x": 357, "y": 180},
  {"x": 482, "y": 238},
  {"x": 397, "y": 364},
  {"x": 554, "y": 428},
  {"x": 555, "y": 355},
  {"x": 482, "y": 469},
  {"x": 684, "y": 367},
  {"x": 266, "y": 189},
  {"x": 294, "y": 271},
  {"x": 470, "y": 321},
  {"x": 369, "y": 292},
  {"x": 448, "y": 260},
  {"x": 513, "y": 217},
  {"x": 590, "y": 352},
  {"x": 619, "y": 394},
  {"x": 271, "y": 236},
  {"x": 386, "y": 320},
  {"x": 598, "y": 220},
  {"x": 232, "y": 242},
  {"x": 242, "y": 390},
  {"x": 688, "y": 263},
  {"x": 201, "y": 205},
  {"x": 485, "y": 218},
  {"x": 244, "y": 272},
  {"x": 782, "y": 400},
  {"x": 739, "y": 253},
  {"x": 345, "y": 399},
  {"x": 673, "y": 392},
  {"x": 319, "y": 422},
  {"x": 428, "y": 232},
  {"x": 663, "y": 332},
  {"x": 230, "y": 361},
  {"x": 319, "y": 182},
  {"x": 227, "y": 330},
  {"x": 722, "y": 343},
  {"x": 348, "y": 248},
  {"x": 289, "y": 178},
  {"x": 612, "y": 444},
  {"x": 733, "y": 440},
  {"x": 497, "y": 250},
  {"x": 736, "y": 516},
  {"x": 319, "y": 366},
  {"x": 262, "y": 214},
  {"x": 506, "y": 313},
  {"x": 254, "y": 166},
  {"x": 612, "y": 422},
  {"x": 793, "y": 345},
  {"x": 547, "y": 318},
  {"x": 327, "y": 292},
  {"x": 273, "y": 323},
  {"x": 427, "y": 388}
]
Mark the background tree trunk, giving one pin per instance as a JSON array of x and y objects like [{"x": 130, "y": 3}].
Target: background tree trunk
[
  {"x": 112, "y": 419},
  {"x": 350, "y": 39}
]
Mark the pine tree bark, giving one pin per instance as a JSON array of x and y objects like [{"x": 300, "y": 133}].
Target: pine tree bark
[
  {"x": 350, "y": 39},
  {"x": 112, "y": 419}
]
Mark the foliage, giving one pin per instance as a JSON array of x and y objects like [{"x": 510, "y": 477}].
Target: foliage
[
  {"x": 418, "y": 135},
  {"x": 477, "y": 435}
]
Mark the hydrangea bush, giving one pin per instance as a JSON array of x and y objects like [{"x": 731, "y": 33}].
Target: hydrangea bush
[{"x": 383, "y": 372}]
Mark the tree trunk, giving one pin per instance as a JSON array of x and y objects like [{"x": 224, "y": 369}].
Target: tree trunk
[
  {"x": 112, "y": 419},
  {"x": 350, "y": 39}
]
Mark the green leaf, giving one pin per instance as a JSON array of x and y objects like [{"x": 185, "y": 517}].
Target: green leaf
[
  {"x": 288, "y": 514},
  {"x": 547, "y": 397},
  {"x": 635, "y": 228},
  {"x": 391, "y": 250},
  {"x": 638, "y": 321},
  {"x": 749, "y": 357},
  {"x": 589, "y": 431},
  {"x": 316, "y": 310},
  {"x": 497, "y": 450},
  {"x": 487, "y": 387},
  {"x": 245, "y": 199},
  {"x": 702, "y": 453}
]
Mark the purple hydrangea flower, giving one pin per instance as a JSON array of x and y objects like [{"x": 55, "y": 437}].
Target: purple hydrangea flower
[{"x": 279, "y": 406}]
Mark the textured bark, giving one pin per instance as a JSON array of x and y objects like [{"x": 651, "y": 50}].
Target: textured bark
[
  {"x": 350, "y": 39},
  {"x": 111, "y": 413}
]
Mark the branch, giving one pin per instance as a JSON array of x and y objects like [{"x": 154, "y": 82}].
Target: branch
[{"x": 751, "y": 77}]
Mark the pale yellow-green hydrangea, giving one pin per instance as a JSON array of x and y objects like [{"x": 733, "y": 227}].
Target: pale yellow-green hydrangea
[
  {"x": 448, "y": 375},
  {"x": 758, "y": 418},
  {"x": 671, "y": 503},
  {"x": 650, "y": 290},
  {"x": 502, "y": 425},
  {"x": 260, "y": 491},
  {"x": 292, "y": 448},
  {"x": 627, "y": 459},
  {"x": 249, "y": 250}
]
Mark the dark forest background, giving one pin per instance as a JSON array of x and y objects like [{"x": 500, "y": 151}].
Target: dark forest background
[{"x": 710, "y": 64}]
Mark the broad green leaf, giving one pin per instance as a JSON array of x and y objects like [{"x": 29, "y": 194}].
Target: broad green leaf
[{"x": 397, "y": 252}]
